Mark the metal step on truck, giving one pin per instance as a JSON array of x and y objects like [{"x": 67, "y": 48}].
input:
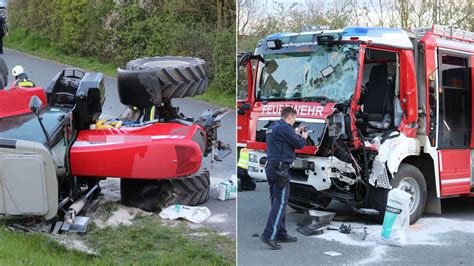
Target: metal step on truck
[
  {"x": 384, "y": 107},
  {"x": 54, "y": 149}
]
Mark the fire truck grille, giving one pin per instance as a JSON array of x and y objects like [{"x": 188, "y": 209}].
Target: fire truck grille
[{"x": 303, "y": 193}]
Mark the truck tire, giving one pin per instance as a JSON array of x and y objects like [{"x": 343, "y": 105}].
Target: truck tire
[
  {"x": 410, "y": 179},
  {"x": 179, "y": 76},
  {"x": 154, "y": 195}
]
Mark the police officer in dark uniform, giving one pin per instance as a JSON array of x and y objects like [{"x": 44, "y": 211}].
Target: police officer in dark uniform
[{"x": 282, "y": 140}]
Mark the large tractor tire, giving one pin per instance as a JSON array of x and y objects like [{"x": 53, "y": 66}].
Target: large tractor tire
[
  {"x": 409, "y": 179},
  {"x": 153, "y": 195},
  {"x": 179, "y": 76},
  {"x": 192, "y": 190}
]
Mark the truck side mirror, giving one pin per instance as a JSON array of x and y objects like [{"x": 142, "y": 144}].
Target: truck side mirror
[
  {"x": 243, "y": 107},
  {"x": 246, "y": 57},
  {"x": 246, "y": 106},
  {"x": 35, "y": 105}
]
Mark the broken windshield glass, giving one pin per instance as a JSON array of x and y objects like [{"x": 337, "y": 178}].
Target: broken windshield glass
[{"x": 329, "y": 72}]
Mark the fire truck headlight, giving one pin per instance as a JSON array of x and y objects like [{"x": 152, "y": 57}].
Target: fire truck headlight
[
  {"x": 253, "y": 169},
  {"x": 253, "y": 158}
]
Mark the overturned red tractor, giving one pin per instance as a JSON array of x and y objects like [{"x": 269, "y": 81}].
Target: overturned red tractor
[{"x": 54, "y": 150}]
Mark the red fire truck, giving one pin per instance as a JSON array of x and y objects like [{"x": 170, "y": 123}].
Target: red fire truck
[{"x": 384, "y": 108}]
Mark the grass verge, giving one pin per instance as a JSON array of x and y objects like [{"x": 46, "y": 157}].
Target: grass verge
[
  {"x": 147, "y": 242},
  {"x": 34, "y": 44},
  {"x": 214, "y": 96},
  {"x": 36, "y": 249}
]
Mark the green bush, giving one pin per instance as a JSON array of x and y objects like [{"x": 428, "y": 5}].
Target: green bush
[{"x": 117, "y": 31}]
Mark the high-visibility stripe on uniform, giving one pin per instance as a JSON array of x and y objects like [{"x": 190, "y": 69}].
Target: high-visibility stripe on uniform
[
  {"x": 152, "y": 113},
  {"x": 26, "y": 84},
  {"x": 280, "y": 210},
  {"x": 243, "y": 159}
]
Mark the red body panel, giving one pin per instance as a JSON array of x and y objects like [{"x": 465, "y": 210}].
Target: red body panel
[
  {"x": 355, "y": 106},
  {"x": 155, "y": 151},
  {"x": 16, "y": 101},
  {"x": 454, "y": 165},
  {"x": 243, "y": 119},
  {"x": 455, "y": 171},
  {"x": 430, "y": 67},
  {"x": 408, "y": 91},
  {"x": 273, "y": 109},
  {"x": 472, "y": 103}
]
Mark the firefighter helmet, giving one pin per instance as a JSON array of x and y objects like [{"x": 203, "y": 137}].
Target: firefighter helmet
[{"x": 18, "y": 70}]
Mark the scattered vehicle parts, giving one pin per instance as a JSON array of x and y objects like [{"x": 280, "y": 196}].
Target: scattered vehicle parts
[
  {"x": 313, "y": 216},
  {"x": 312, "y": 229},
  {"x": 193, "y": 214}
]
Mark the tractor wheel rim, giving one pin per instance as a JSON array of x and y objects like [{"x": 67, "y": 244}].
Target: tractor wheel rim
[{"x": 409, "y": 185}]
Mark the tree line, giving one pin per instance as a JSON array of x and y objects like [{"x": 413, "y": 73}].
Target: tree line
[{"x": 256, "y": 19}]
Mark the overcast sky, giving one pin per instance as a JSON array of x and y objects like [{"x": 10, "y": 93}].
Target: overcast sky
[{"x": 273, "y": 4}]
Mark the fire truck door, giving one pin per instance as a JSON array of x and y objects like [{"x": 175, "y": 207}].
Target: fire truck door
[
  {"x": 454, "y": 126},
  {"x": 244, "y": 99}
]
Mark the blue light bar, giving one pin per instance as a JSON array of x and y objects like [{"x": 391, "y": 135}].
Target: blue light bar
[{"x": 369, "y": 32}]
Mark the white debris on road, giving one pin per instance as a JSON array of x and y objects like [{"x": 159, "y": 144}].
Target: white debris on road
[
  {"x": 332, "y": 253},
  {"x": 425, "y": 232},
  {"x": 122, "y": 216},
  {"x": 218, "y": 218},
  {"x": 377, "y": 255}
]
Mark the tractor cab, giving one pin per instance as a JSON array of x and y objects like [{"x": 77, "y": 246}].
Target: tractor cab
[
  {"x": 35, "y": 137},
  {"x": 72, "y": 93}
]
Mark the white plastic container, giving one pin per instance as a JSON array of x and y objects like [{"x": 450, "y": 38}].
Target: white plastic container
[{"x": 396, "y": 219}]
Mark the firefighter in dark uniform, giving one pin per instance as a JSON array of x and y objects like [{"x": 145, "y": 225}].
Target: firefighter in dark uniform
[{"x": 282, "y": 140}]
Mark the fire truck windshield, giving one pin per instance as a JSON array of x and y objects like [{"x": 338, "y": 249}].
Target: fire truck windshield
[{"x": 329, "y": 72}]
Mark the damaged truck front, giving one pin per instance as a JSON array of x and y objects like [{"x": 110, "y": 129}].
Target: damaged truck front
[{"x": 356, "y": 91}]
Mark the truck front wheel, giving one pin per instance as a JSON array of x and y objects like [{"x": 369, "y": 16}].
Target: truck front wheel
[
  {"x": 409, "y": 179},
  {"x": 154, "y": 195}
]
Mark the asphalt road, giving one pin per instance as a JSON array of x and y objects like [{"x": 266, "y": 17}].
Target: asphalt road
[
  {"x": 223, "y": 213},
  {"x": 436, "y": 240}
]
